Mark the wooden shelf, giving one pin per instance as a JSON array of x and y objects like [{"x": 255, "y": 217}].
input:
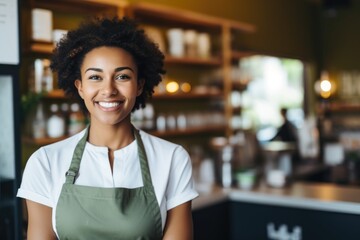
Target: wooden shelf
[
  {"x": 42, "y": 47},
  {"x": 166, "y": 133},
  {"x": 173, "y": 15},
  {"x": 213, "y": 61},
  {"x": 344, "y": 107},
  {"x": 48, "y": 47},
  {"x": 160, "y": 12},
  {"x": 55, "y": 94},
  {"x": 59, "y": 94},
  {"x": 86, "y": 8},
  {"x": 240, "y": 26},
  {"x": 193, "y": 95},
  {"x": 83, "y": 7},
  {"x": 41, "y": 141},
  {"x": 188, "y": 131}
]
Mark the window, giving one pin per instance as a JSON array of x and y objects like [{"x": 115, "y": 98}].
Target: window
[{"x": 273, "y": 83}]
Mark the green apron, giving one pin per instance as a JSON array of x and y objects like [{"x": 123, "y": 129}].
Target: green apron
[{"x": 85, "y": 212}]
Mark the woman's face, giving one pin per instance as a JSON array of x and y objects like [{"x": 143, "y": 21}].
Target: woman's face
[{"x": 108, "y": 84}]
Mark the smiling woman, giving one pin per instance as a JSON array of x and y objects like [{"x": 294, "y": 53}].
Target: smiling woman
[
  {"x": 73, "y": 188},
  {"x": 109, "y": 85}
]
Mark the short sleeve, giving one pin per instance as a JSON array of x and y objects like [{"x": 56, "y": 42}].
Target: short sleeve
[
  {"x": 36, "y": 180},
  {"x": 180, "y": 188}
]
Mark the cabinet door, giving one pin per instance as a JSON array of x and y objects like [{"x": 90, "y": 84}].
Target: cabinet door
[
  {"x": 254, "y": 221},
  {"x": 212, "y": 223}
]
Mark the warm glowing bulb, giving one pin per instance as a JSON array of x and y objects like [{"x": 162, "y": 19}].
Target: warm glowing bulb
[
  {"x": 172, "y": 87},
  {"x": 325, "y": 94},
  {"x": 325, "y": 85},
  {"x": 185, "y": 87}
]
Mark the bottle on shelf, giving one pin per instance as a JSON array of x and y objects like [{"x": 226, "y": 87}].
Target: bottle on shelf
[
  {"x": 56, "y": 123},
  {"x": 47, "y": 77},
  {"x": 137, "y": 118},
  {"x": 65, "y": 108},
  {"x": 76, "y": 119},
  {"x": 39, "y": 123},
  {"x": 161, "y": 122},
  {"x": 148, "y": 117},
  {"x": 41, "y": 78}
]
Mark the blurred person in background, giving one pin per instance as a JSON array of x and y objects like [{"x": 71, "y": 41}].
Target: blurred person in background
[{"x": 287, "y": 132}]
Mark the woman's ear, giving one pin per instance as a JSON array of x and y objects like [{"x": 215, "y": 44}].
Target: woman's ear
[
  {"x": 140, "y": 86},
  {"x": 78, "y": 85}
]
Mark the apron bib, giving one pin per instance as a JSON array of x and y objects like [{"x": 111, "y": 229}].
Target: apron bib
[{"x": 85, "y": 212}]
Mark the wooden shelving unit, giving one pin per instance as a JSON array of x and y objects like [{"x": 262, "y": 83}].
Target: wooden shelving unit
[
  {"x": 41, "y": 141},
  {"x": 337, "y": 118},
  {"x": 188, "y": 131},
  {"x": 172, "y": 16},
  {"x": 55, "y": 94},
  {"x": 193, "y": 61},
  {"x": 221, "y": 30},
  {"x": 32, "y": 49},
  {"x": 97, "y": 7},
  {"x": 41, "y": 47},
  {"x": 181, "y": 96},
  {"x": 344, "y": 107},
  {"x": 222, "y": 57}
]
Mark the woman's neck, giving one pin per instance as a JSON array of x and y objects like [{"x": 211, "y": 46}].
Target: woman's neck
[{"x": 111, "y": 136}]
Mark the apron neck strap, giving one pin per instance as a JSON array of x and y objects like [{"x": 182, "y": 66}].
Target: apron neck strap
[
  {"x": 73, "y": 171},
  {"x": 145, "y": 171}
]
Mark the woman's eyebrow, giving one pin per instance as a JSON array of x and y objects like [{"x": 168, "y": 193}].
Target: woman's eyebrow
[
  {"x": 94, "y": 69},
  {"x": 123, "y": 68},
  {"x": 116, "y": 69}
]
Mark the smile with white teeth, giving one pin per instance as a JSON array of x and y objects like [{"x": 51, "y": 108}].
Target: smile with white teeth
[{"x": 109, "y": 104}]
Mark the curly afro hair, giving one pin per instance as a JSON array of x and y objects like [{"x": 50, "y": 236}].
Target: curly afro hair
[{"x": 123, "y": 33}]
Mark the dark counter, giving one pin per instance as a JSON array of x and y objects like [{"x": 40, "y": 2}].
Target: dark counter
[{"x": 298, "y": 211}]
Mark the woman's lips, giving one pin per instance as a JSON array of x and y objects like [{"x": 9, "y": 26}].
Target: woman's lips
[{"x": 110, "y": 106}]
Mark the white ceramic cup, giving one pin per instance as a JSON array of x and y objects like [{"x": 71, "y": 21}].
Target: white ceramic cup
[
  {"x": 276, "y": 178},
  {"x": 190, "y": 40},
  {"x": 176, "y": 42},
  {"x": 203, "y": 45}
]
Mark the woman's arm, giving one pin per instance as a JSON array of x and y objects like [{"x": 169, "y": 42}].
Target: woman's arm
[
  {"x": 39, "y": 222},
  {"x": 179, "y": 225}
]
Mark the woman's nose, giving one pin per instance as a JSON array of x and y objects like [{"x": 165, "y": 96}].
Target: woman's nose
[{"x": 108, "y": 88}]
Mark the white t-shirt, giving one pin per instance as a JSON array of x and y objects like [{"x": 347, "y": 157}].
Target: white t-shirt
[{"x": 169, "y": 164}]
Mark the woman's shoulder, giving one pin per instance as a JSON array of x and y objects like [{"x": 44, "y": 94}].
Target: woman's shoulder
[
  {"x": 57, "y": 150},
  {"x": 46, "y": 166}
]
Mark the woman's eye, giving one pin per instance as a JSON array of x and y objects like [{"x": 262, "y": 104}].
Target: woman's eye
[
  {"x": 94, "y": 77},
  {"x": 122, "y": 76}
]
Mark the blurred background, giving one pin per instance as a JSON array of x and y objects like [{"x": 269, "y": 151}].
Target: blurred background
[{"x": 265, "y": 97}]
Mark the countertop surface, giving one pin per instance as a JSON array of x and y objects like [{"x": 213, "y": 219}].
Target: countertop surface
[{"x": 316, "y": 196}]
